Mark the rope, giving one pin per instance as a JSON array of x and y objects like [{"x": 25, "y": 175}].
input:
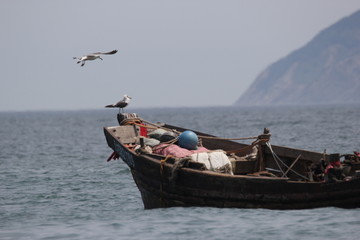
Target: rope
[
  {"x": 276, "y": 158},
  {"x": 130, "y": 121},
  {"x": 220, "y": 138},
  {"x": 292, "y": 165},
  {"x": 139, "y": 121},
  {"x": 165, "y": 144},
  {"x": 246, "y": 148},
  {"x": 162, "y": 162},
  {"x": 158, "y": 126},
  {"x": 154, "y": 126},
  {"x": 178, "y": 164},
  {"x": 145, "y": 126}
]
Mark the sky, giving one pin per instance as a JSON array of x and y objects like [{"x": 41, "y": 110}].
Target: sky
[{"x": 171, "y": 53}]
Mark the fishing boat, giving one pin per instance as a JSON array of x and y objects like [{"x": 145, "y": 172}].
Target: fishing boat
[{"x": 225, "y": 173}]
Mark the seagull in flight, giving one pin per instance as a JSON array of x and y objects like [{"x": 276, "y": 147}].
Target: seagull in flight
[
  {"x": 121, "y": 104},
  {"x": 93, "y": 56}
]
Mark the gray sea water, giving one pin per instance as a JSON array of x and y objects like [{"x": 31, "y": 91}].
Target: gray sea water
[{"x": 55, "y": 182}]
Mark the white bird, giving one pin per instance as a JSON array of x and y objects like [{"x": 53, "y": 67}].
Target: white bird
[
  {"x": 121, "y": 104},
  {"x": 93, "y": 56}
]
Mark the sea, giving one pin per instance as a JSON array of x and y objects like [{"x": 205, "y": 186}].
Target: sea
[{"x": 55, "y": 182}]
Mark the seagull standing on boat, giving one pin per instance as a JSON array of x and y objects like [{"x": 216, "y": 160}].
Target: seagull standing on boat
[
  {"x": 121, "y": 104},
  {"x": 93, "y": 56}
]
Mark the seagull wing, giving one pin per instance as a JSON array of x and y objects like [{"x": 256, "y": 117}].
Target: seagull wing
[
  {"x": 121, "y": 104},
  {"x": 114, "y": 105},
  {"x": 106, "y": 53}
]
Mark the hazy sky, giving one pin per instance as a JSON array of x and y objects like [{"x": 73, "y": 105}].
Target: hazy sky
[{"x": 171, "y": 53}]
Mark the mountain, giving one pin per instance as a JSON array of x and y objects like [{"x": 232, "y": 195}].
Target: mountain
[{"x": 324, "y": 71}]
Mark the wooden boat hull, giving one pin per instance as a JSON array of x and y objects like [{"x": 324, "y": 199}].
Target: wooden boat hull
[{"x": 164, "y": 184}]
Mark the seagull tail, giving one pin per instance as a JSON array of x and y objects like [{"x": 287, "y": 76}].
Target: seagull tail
[{"x": 109, "y": 106}]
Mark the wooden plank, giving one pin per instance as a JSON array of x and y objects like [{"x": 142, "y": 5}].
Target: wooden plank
[{"x": 125, "y": 134}]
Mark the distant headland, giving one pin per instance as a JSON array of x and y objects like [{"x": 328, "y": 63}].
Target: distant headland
[{"x": 325, "y": 71}]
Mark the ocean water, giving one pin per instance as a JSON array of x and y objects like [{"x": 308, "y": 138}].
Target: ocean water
[{"x": 55, "y": 182}]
